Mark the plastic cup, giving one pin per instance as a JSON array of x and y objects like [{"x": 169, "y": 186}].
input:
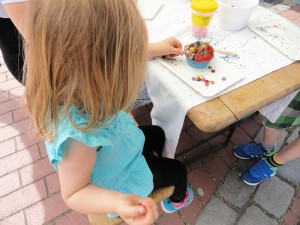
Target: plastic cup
[
  {"x": 202, "y": 12},
  {"x": 234, "y": 14}
]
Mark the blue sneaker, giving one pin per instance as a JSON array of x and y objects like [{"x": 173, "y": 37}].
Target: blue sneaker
[
  {"x": 258, "y": 172},
  {"x": 247, "y": 151},
  {"x": 168, "y": 206}
]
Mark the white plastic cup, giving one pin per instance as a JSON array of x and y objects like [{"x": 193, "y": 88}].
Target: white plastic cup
[
  {"x": 201, "y": 23},
  {"x": 234, "y": 14},
  {"x": 202, "y": 12}
]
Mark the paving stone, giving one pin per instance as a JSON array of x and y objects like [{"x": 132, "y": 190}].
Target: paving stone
[
  {"x": 240, "y": 137},
  {"x": 217, "y": 213},
  {"x": 290, "y": 3},
  {"x": 236, "y": 191},
  {"x": 191, "y": 212},
  {"x": 250, "y": 126},
  {"x": 290, "y": 219},
  {"x": 258, "y": 118},
  {"x": 172, "y": 218},
  {"x": 259, "y": 136},
  {"x": 294, "y": 135},
  {"x": 289, "y": 169},
  {"x": 245, "y": 164},
  {"x": 290, "y": 14},
  {"x": 274, "y": 196},
  {"x": 255, "y": 216},
  {"x": 217, "y": 169},
  {"x": 279, "y": 8},
  {"x": 203, "y": 183},
  {"x": 297, "y": 22},
  {"x": 226, "y": 153}
]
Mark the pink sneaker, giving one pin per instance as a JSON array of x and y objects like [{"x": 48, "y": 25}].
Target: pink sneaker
[{"x": 168, "y": 206}]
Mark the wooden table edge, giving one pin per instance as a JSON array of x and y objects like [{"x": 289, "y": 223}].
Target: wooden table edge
[{"x": 216, "y": 114}]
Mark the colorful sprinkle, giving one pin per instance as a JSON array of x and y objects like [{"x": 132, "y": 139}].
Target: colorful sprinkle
[
  {"x": 202, "y": 79},
  {"x": 210, "y": 67},
  {"x": 213, "y": 71},
  {"x": 223, "y": 78},
  {"x": 199, "y": 32}
]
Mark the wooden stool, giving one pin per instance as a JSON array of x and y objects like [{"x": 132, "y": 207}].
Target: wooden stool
[{"x": 157, "y": 195}]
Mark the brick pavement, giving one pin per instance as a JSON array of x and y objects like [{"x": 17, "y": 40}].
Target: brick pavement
[{"x": 30, "y": 192}]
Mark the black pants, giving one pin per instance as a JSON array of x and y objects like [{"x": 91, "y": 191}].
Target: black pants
[
  {"x": 12, "y": 48},
  {"x": 166, "y": 172}
]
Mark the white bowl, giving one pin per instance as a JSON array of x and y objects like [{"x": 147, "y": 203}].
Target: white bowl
[{"x": 234, "y": 14}]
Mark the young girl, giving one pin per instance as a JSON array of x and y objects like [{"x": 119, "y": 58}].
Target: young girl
[{"x": 86, "y": 59}]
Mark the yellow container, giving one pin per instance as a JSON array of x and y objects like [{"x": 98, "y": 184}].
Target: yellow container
[{"x": 202, "y": 11}]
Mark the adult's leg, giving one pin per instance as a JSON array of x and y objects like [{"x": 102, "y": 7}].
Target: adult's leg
[
  {"x": 166, "y": 172},
  {"x": 11, "y": 47},
  {"x": 266, "y": 167},
  {"x": 270, "y": 137},
  {"x": 289, "y": 117}
]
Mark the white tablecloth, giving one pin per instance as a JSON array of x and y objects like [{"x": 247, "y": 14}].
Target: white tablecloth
[{"x": 171, "y": 97}]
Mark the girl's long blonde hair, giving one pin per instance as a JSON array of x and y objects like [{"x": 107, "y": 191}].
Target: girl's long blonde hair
[{"x": 90, "y": 54}]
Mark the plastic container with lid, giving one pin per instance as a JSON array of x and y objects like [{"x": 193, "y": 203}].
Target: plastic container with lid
[{"x": 202, "y": 12}]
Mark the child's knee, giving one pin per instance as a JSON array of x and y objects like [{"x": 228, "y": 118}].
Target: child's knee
[{"x": 159, "y": 131}]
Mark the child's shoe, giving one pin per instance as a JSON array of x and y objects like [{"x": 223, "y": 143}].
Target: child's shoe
[
  {"x": 247, "y": 151},
  {"x": 258, "y": 172},
  {"x": 168, "y": 206}
]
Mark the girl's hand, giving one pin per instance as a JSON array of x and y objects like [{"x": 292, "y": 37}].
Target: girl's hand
[
  {"x": 170, "y": 48},
  {"x": 137, "y": 211}
]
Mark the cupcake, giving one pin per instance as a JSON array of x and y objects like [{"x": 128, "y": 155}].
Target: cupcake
[{"x": 198, "y": 54}]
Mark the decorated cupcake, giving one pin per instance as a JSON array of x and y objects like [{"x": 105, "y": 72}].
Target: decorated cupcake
[{"x": 199, "y": 54}]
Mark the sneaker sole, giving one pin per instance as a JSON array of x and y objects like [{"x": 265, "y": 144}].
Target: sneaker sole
[
  {"x": 251, "y": 157},
  {"x": 254, "y": 184},
  {"x": 240, "y": 157},
  {"x": 171, "y": 211},
  {"x": 164, "y": 209}
]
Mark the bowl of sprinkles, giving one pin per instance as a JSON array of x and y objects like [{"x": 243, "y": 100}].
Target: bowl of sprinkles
[{"x": 199, "y": 54}]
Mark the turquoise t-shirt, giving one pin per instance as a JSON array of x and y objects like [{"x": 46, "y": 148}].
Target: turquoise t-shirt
[{"x": 120, "y": 164}]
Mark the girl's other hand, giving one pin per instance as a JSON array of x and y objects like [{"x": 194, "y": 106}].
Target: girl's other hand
[
  {"x": 169, "y": 48},
  {"x": 137, "y": 211}
]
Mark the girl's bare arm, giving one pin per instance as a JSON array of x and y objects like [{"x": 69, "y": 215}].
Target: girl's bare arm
[
  {"x": 74, "y": 174},
  {"x": 169, "y": 47}
]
